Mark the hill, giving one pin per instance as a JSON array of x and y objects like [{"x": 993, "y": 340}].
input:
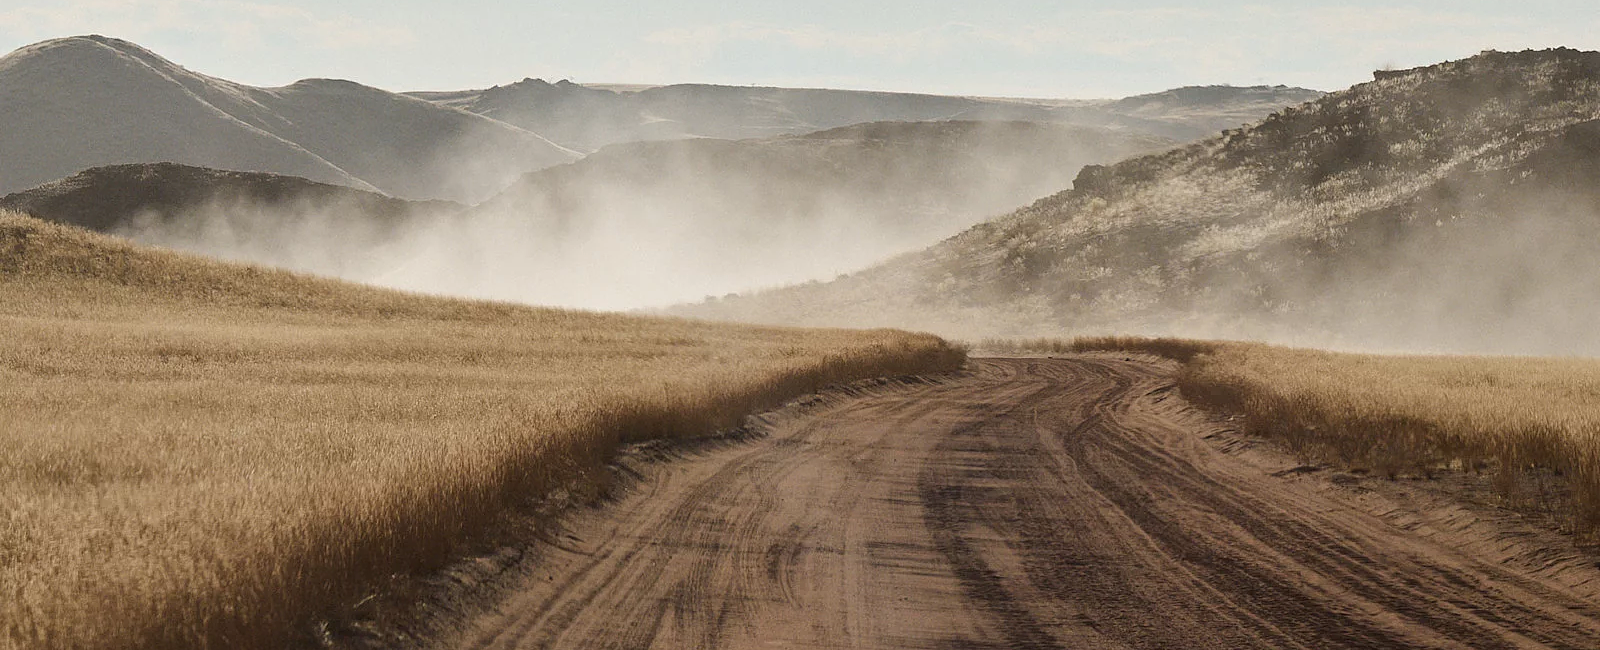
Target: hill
[
  {"x": 587, "y": 118},
  {"x": 283, "y": 221},
  {"x": 87, "y": 101},
  {"x": 651, "y": 223},
  {"x": 203, "y": 454},
  {"x": 1448, "y": 207}
]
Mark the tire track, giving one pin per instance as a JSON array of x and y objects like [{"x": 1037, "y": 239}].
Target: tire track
[{"x": 1029, "y": 503}]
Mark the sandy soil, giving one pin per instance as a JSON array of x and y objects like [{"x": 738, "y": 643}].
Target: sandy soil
[{"x": 1035, "y": 503}]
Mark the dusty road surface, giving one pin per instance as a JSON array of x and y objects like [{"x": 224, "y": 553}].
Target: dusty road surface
[{"x": 1035, "y": 503}]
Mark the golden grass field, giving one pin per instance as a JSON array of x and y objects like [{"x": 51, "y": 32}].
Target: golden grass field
[
  {"x": 201, "y": 454},
  {"x": 1404, "y": 415}
]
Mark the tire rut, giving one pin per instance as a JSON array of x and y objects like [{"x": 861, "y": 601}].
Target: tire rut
[{"x": 1028, "y": 503}]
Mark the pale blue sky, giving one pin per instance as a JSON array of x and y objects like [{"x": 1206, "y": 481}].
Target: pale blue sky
[{"x": 998, "y": 47}]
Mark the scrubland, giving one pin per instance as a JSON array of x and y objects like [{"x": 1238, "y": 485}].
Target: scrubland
[
  {"x": 200, "y": 454},
  {"x": 1514, "y": 418}
]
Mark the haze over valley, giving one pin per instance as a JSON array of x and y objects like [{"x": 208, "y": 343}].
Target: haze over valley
[{"x": 690, "y": 190}]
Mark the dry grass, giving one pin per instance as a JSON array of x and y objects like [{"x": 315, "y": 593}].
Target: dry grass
[
  {"x": 198, "y": 454},
  {"x": 1411, "y": 415}
]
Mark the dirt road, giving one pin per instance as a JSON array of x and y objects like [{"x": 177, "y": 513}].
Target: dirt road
[{"x": 1036, "y": 503}]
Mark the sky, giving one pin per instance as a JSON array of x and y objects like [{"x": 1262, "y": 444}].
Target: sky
[{"x": 993, "y": 48}]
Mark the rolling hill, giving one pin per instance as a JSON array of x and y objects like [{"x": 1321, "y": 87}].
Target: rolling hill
[
  {"x": 282, "y": 221},
  {"x": 587, "y": 118},
  {"x": 87, "y": 101},
  {"x": 1448, "y": 207}
]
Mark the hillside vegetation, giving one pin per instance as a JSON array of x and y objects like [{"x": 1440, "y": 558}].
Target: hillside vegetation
[
  {"x": 69, "y": 104},
  {"x": 1531, "y": 422},
  {"x": 201, "y": 454},
  {"x": 1446, "y": 207}
]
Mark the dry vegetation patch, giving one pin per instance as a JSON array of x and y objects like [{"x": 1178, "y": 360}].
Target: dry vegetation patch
[
  {"x": 199, "y": 454},
  {"x": 1516, "y": 417}
]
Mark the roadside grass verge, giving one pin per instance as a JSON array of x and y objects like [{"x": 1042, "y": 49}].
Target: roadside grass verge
[
  {"x": 1520, "y": 419},
  {"x": 196, "y": 454}
]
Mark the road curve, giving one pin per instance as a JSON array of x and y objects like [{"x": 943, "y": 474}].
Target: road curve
[{"x": 1030, "y": 503}]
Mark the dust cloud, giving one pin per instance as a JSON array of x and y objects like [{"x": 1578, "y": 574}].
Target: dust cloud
[
  {"x": 1405, "y": 234},
  {"x": 633, "y": 252},
  {"x": 654, "y": 224},
  {"x": 1477, "y": 256},
  {"x": 1505, "y": 272},
  {"x": 330, "y": 238},
  {"x": 1519, "y": 280},
  {"x": 1513, "y": 275}
]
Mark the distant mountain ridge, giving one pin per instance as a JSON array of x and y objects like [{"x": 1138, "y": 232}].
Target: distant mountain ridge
[
  {"x": 73, "y": 103},
  {"x": 1450, "y": 207},
  {"x": 587, "y": 118}
]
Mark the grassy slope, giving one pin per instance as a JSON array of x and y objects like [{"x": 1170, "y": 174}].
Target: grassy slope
[
  {"x": 199, "y": 454},
  {"x": 1404, "y": 414}
]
